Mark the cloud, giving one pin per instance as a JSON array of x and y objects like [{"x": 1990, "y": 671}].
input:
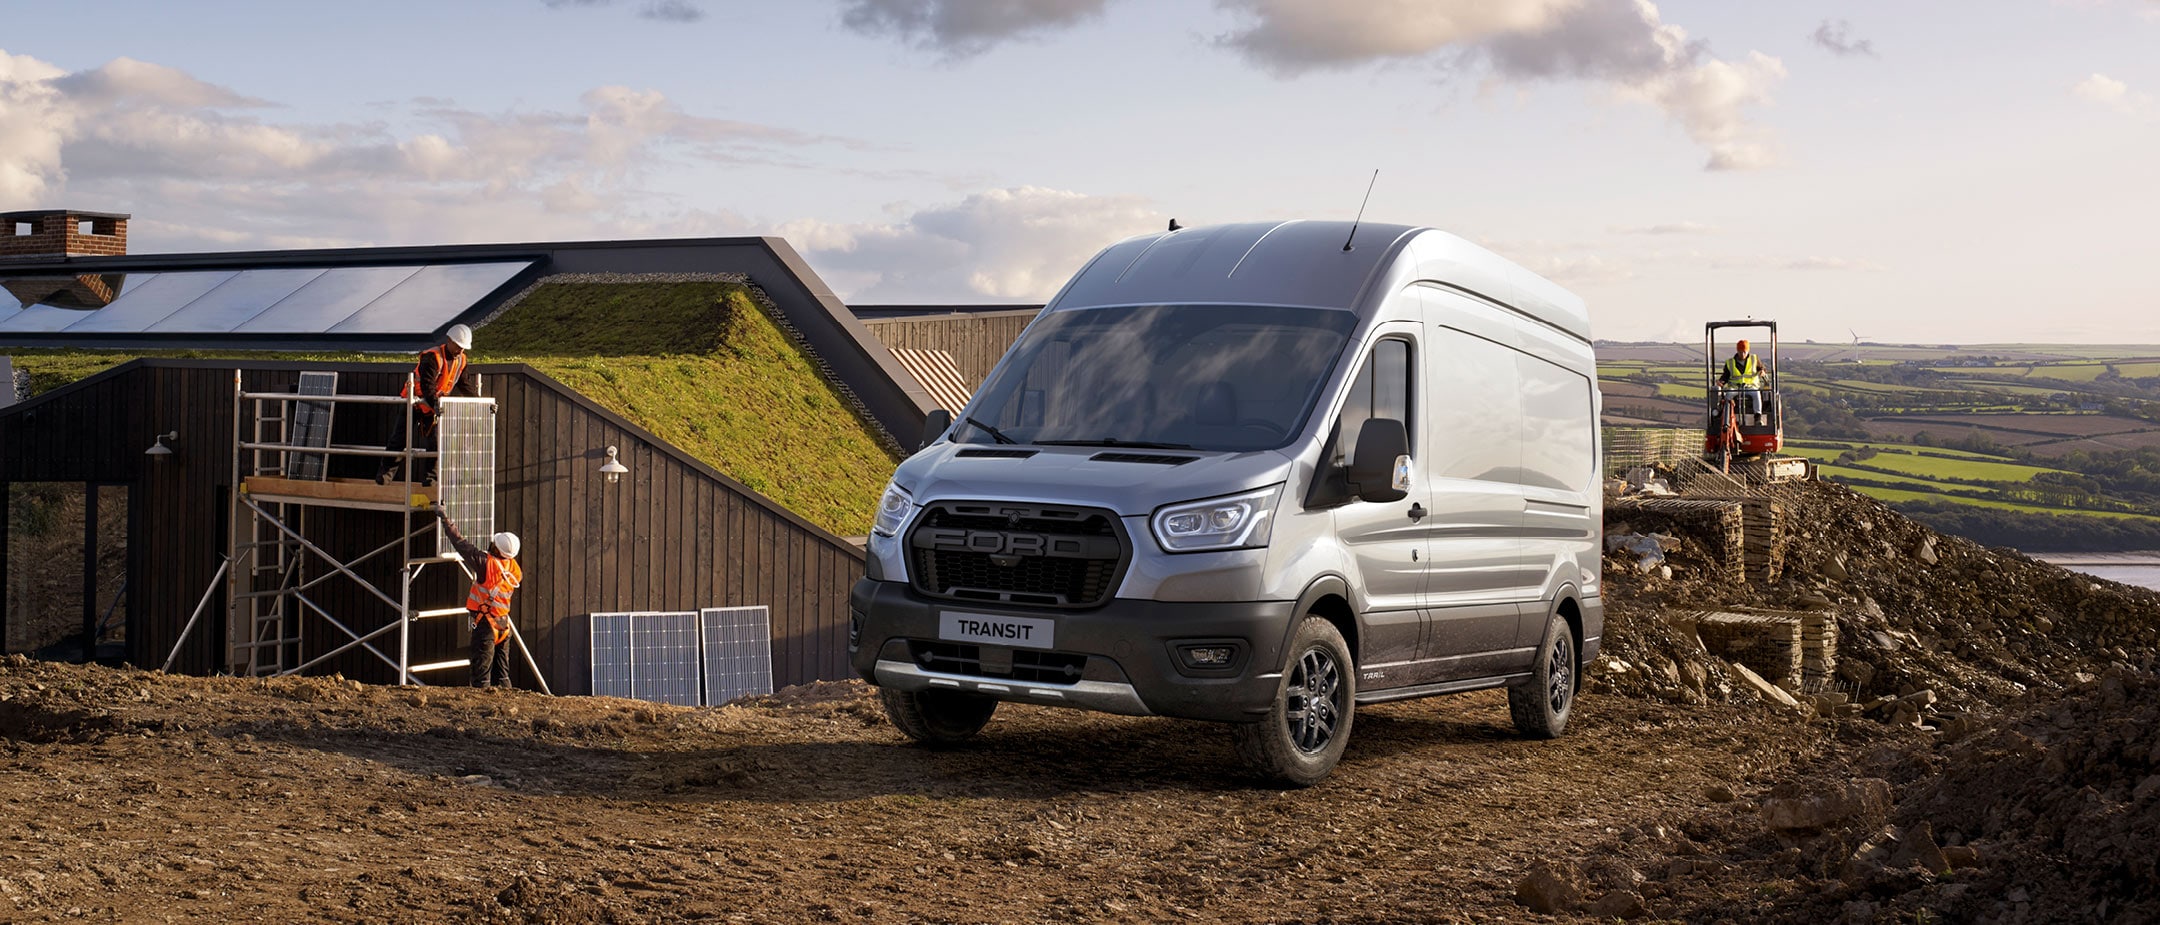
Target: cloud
[
  {"x": 189, "y": 157},
  {"x": 1835, "y": 35},
  {"x": 2105, "y": 91},
  {"x": 963, "y": 28},
  {"x": 1020, "y": 243},
  {"x": 1623, "y": 44},
  {"x": 675, "y": 11},
  {"x": 1291, "y": 37},
  {"x": 1667, "y": 228},
  {"x": 34, "y": 125}
]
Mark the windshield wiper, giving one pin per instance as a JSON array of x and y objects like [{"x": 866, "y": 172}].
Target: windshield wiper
[
  {"x": 1113, "y": 441},
  {"x": 995, "y": 434}
]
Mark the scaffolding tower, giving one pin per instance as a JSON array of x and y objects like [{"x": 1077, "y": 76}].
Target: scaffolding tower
[{"x": 280, "y": 479}]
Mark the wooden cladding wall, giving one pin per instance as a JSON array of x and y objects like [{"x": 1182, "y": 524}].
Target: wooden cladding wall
[
  {"x": 673, "y": 535},
  {"x": 975, "y": 341}
]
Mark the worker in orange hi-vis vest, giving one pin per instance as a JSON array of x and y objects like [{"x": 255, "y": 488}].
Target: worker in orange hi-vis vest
[
  {"x": 488, "y": 603},
  {"x": 440, "y": 371}
]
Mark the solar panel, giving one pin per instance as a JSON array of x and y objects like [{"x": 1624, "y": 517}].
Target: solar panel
[
  {"x": 311, "y": 427},
  {"x": 738, "y": 652},
  {"x": 611, "y": 654},
  {"x": 664, "y": 658},
  {"x": 146, "y": 301},
  {"x": 42, "y": 318},
  {"x": 326, "y": 300},
  {"x": 231, "y": 304},
  {"x": 465, "y": 472},
  {"x": 408, "y": 299},
  {"x": 429, "y": 298}
]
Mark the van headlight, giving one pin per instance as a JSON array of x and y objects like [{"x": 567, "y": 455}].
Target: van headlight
[
  {"x": 892, "y": 510},
  {"x": 1233, "y": 522}
]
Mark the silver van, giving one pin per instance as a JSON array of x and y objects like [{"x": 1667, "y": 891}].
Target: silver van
[{"x": 1258, "y": 474}]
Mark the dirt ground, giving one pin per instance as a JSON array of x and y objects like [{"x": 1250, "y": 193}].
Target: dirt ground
[
  {"x": 131, "y": 796},
  {"x": 1998, "y": 761}
]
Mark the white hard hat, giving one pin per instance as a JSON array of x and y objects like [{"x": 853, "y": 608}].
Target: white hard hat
[
  {"x": 506, "y": 543},
  {"x": 461, "y": 336}
]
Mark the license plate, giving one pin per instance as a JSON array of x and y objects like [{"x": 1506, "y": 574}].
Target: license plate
[{"x": 1026, "y": 632}]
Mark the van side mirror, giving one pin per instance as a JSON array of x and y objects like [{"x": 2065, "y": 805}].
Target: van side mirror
[
  {"x": 934, "y": 427},
  {"x": 1380, "y": 471}
]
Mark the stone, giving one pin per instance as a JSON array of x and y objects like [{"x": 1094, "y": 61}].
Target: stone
[
  {"x": 1858, "y": 672},
  {"x": 1762, "y": 688},
  {"x": 1620, "y": 904},
  {"x": 2146, "y": 787},
  {"x": 1960, "y": 857},
  {"x": 1835, "y": 569},
  {"x": 1925, "y": 552},
  {"x": 1548, "y": 889},
  {"x": 1719, "y": 793},
  {"x": 1920, "y": 698},
  {"x": 1917, "y": 847},
  {"x": 1796, "y": 807}
]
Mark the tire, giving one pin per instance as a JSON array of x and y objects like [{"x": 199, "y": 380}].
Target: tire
[
  {"x": 937, "y": 717},
  {"x": 1305, "y": 732},
  {"x": 1542, "y": 705}
]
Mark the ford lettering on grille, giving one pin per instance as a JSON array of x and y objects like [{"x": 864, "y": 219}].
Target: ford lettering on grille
[{"x": 1016, "y": 543}]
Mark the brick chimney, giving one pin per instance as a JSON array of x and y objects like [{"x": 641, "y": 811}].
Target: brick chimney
[{"x": 50, "y": 233}]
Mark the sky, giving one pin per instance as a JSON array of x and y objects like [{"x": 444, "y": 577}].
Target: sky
[{"x": 1918, "y": 171}]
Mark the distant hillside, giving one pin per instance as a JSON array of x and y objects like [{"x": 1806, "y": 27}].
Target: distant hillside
[{"x": 1977, "y": 439}]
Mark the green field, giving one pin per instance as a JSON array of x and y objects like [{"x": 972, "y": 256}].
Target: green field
[
  {"x": 1839, "y": 473},
  {"x": 1926, "y": 465},
  {"x": 1895, "y": 495}
]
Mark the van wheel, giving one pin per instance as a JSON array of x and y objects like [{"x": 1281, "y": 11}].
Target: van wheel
[
  {"x": 1303, "y": 736},
  {"x": 1541, "y": 705},
  {"x": 937, "y": 717}
]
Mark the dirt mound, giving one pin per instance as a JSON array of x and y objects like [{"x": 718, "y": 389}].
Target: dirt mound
[{"x": 1952, "y": 627}]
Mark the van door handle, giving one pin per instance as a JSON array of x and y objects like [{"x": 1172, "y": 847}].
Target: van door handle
[{"x": 1417, "y": 511}]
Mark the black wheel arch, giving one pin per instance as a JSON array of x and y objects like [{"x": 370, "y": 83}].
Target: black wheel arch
[{"x": 1328, "y": 596}]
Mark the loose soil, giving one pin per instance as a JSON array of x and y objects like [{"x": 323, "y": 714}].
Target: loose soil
[{"x": 2029, "y": 764}]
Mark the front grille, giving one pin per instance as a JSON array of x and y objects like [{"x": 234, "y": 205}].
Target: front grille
[
  {"x": 1023, "y": 665},
  {"x": 1036, "y": 555}
]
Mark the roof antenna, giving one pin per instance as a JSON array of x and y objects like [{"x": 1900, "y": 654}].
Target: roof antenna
[
  {"x": 1174, "y": 226},
  {"x": 1361, "y": 210}
]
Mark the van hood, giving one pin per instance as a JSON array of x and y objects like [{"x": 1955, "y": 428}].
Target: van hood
[{"x": 1128, "y": 480}]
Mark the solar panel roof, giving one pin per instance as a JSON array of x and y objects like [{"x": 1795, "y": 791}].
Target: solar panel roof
[{"x": 397, "y": 300}]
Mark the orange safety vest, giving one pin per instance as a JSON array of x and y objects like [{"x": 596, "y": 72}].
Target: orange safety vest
[
  {"x": 452, "y": 368},
  {"x": 490, "y": 596}
]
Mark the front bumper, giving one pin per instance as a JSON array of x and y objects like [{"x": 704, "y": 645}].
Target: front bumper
[{"x": 1128, "y": 653}]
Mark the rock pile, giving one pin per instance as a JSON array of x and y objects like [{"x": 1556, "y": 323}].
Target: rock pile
[{"x": 1929, "y": 629}]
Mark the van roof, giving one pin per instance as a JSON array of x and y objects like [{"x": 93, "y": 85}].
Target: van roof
[{"x": 1303, "y": 263}]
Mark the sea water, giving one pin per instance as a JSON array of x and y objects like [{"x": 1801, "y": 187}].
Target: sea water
[{"x": 2130, "y": 568}]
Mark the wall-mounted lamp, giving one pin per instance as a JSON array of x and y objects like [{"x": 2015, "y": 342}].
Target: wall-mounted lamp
[
  {"x": 613, "y": 470},
  {"x": 159, "y": 450}
]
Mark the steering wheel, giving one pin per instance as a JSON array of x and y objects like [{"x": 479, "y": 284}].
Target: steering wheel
[{"x": 1273, "y": 429}]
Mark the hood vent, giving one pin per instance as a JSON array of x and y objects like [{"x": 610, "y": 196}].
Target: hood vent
[
  {"x": 996, "y": 454},
  {"x": 1152, "y": 458}
]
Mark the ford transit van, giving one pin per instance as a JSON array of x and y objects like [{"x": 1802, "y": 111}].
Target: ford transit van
[{"x": 1260, "y": 474}]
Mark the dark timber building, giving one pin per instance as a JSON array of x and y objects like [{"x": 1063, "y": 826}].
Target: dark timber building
[{"x": 676, "y": 532}]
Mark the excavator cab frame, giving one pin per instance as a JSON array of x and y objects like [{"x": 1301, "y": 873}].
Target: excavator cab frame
[{"x": 1726, "y": 432}]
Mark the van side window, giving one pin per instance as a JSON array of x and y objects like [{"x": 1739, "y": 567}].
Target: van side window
[{"x": 1381, "y": 390}]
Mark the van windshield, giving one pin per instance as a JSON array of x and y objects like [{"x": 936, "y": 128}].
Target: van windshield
[{"x": 1217, "y": 378}]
